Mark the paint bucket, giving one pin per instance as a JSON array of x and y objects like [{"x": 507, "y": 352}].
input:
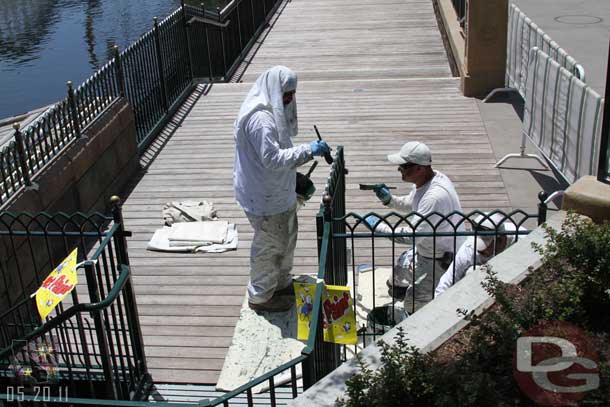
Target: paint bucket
[{"x": 381, "y": 319}]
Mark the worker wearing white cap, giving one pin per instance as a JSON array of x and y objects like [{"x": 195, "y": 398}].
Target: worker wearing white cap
[
  {"x": 265, "y": 180},
  {"x": 432, "y": 192},
  {"x": 479, "y": 250}
]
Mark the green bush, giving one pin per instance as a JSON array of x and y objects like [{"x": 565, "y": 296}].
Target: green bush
[{"x": 573, "y": 285}]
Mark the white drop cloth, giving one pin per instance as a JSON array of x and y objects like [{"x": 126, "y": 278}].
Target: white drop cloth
[
  {"x": 160, "y": 242},
  {"x": 200, "y": 233}
]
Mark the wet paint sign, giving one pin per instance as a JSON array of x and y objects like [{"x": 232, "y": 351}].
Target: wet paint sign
[
  {"x": 57, "y": 285},
  {"x": 338, "y": 312},
  {"x": 339, "y": 316}
]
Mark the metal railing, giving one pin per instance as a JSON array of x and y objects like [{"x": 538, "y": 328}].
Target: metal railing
[
  {"x": 603, "y": 167},
  {"x": 351, "y": 242},
  {"x": 219, "y": 39},
  {"x": 523, "y": 35},
  {"x": 87, "y": 347},
  {"x": 34, "y": 147},
  {"x": 155, "y": 74},
  {"x": 460, "y": 9}
]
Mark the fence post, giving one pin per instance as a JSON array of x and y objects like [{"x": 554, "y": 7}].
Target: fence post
[
  {"x": 160, "y": 63},
  {"x": 207, "y": 42},
  {"x": 222, "y": 42},
  {"x": 100, "y": 330},
  {"x": 188, "y": 40},
  {"x": 119, "y": 70},
  {"x": 241, "y": 47},
  {"x": 130, "y": 298},
  {"x": 25, "y": 172},
  {"x": 253, "y": 18},
  {"x": 72, "y": 107},
  {"x": 542, "y": 207}
]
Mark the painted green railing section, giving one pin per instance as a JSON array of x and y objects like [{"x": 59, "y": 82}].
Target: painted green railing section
[
  {"x": 88, "y": 347},
  {"x": 155, "y": 74}
]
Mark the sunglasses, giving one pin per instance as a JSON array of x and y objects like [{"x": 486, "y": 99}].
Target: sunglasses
[{"x": 406, "y": 167}]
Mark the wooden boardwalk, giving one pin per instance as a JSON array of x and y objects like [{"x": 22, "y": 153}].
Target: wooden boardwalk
[{"x": 372, "y": 75}]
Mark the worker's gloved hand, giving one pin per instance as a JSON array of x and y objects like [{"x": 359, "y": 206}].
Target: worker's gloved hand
[
  {"x": 383, "y": 194},
  {"x": 319, "y": 147},
  {"x": 372, "y": 220}
]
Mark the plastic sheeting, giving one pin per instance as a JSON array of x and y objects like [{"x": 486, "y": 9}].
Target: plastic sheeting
[{"x": 562, "y": 117}]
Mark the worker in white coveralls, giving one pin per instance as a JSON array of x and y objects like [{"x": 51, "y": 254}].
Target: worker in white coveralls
[
  {"x": 479, "y": 250},
  {"x": 417, "y": 269},
  {"x": 264, "y": 181}
]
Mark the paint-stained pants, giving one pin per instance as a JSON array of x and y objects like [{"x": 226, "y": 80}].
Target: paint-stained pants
[
  {"x": 271, "y": 254},
  {"x": 420, "y": 285}
]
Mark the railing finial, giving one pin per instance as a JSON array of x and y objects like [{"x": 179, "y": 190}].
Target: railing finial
[{"x": 542, "y": 207}]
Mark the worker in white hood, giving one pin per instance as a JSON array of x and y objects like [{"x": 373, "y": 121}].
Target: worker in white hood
[{"x": 264, "y": 180}]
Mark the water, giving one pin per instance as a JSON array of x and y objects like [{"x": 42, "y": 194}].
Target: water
[{"x": 44, "y": 43}]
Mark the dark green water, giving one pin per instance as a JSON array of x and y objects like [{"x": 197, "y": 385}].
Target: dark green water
[{"x": 44, "y": 43}]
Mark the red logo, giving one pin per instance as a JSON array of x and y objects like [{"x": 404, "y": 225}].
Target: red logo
[{"x": 555, "y": 364}]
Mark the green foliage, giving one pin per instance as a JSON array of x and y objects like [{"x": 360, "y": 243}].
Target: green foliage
[
  {"x": 573, "y": 285},
  {"x": 578, "y": 257},
  {"x": 406, "y": 377}
]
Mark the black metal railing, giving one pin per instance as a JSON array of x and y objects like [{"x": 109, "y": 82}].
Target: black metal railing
[
  {"x": 155, "y": 74},
  {"x": 91, "y": 344},
  {"x": 354, "y": 247},
  {"x": 219, "y": 39},
  {"x": 460, "y": 9},
  {"x": 32, "y": 148}
]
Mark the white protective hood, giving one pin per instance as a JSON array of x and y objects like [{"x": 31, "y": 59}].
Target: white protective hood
[{"x": 266, "y": 94}]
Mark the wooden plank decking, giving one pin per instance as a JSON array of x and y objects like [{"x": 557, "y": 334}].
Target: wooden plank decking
[{"x": 372, "y": 75}]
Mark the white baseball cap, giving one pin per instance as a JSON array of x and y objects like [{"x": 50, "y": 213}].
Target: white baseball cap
[
  {"x": 497, "y": 221},
  {"x": 413, "y": 152}
]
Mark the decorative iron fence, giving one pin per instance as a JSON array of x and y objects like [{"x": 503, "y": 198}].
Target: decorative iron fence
[
  {"x": 156, "y": 74},
  {"x": 220, "y": 39},
  {"x": 363, "y": 256},
  {"x": 87, "y": 347}
]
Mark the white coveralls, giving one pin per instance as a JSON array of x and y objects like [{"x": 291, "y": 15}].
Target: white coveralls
[
  {"x": 265, "y": 178},
  {"x": 437, "y": 195},
  {"x": 466, "y": 259}
]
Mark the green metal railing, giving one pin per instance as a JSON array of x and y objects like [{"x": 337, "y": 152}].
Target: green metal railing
[
  {"x": 88, "y": 347},
  {"x": 155, "y": 74},
  {"x": 353, "y": 242}
]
